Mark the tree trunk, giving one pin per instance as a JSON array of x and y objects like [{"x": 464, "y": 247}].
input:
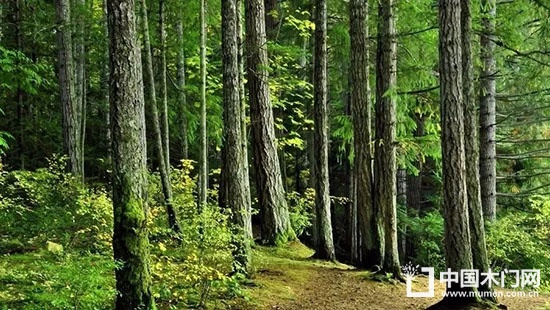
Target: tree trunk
[
  {"x": 276, "y": 227},
  {"x": 385, "y": 171},
  {"x": 487, "y": 115},
  {"x": 471, "y": 146},
  {"x": 402, "y": 202},
  {"x": 182, "y": 98},
  {"x": 157, "y": 134},
  {"x": 105, "y": 84},
  {"x": 370, "y": 231},
  {"x": 72, "y": 122},
  {"x": 325, "y": 245},
  {"x": 130, "y": 238},
  {"x": 203, "y": 160},
  {"x": 458, "y": 251},
  {"x": 234, "y": 192},
  {"x": 80, "y": 73},
  {"x": 242, "y": 96},
  {"x": 165, "y": 127}
]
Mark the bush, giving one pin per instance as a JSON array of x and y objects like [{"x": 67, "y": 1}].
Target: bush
[
  {"x": 50, "y": 205},
  {"x": 195, "y": 269},
  {"x": 426, "y": 235},
  {"x": 521, "y": 239},
  {"x": 301, "y": 211}
]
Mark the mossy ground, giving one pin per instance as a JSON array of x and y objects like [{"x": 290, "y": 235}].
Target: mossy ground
[
  {"x": 282, "y": 278},
  {"x": 287, "y": 278}
]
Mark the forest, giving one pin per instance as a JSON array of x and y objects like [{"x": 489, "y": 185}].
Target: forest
[{"x": 275, "y": 154}]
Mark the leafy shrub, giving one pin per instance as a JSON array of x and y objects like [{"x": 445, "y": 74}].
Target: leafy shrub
[
  {"x": 50, "y": 205},
  {"x": 190, "y": 271},
  {"x": 301, "y": 210},
  {"x": 426, "y": 235},
  {"x": 520, "y": 240}
]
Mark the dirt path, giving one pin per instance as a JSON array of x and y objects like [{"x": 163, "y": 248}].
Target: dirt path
[
  {"x": 299, "y": 283},
  {"x": 331, "y": 288}
]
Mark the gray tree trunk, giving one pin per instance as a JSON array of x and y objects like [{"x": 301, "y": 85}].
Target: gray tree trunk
[
  {"x": 105, "y": 83},
  {"x": 203, "y": 160},
  {"x": 458, "y": 251},
  {"x": 72, "y": 121},
  {"x": 370, "y": 231},
  {"x": 165, "y": 127},
  {"x": 157, "y": 134},
  {"x": 80, "y": 70},
  {"x": 402, "y": 201},
  {"x": 130, "y": 238},
  {"x": 477, "y": 229},
  {"x": 275, "y": 226},
  {"x": 385, "y": 166},
  {"x": 487, "y": 111},
  {"x": 242, "y": 95},
  {"x": 182, "y": 98},
  {"x": 234, "y": 189},
  {"x": 325, "y": 245}
]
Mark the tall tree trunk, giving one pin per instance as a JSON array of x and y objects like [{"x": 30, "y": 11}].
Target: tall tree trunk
[
  {"x": 234, "y": 192},
  {"x": 80, "y": 72},
  {"x": 105, "y": 83},
  {"x": 21, "y": 132},
  {"x": 72, "y": 122},
  {"x": 182, "y": 98},
  {"x": 370, "y": 230},
  {"x": 471, "y": 146},
  {"x": 276, "y": 227},
  {"x": 165, "y": 127},
  {"x": 458, "y": 250},
  {"x": 130, "y": 238},
  {"x": 203, "y": 160},
  {"x": 385, "y": 167},
  {"x": 402, "y": 202},
  {"x": 487, "y": 115},
  {"x": 325, "y": 245},
  {"x": 157, "y": 134},
  {"x": 242, "y": 95}
]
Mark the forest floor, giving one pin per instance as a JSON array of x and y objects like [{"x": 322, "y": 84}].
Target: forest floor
[{"x": 287, "y": 279}]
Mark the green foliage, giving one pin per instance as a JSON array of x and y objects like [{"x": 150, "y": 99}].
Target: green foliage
[
  {"x": 47, "y": 281},
  {"x": 195, "y": 269},
  {"x": 426, "y": 235},
  {"x": 519, "y": 240},
  {"x": 50, "y": 205},
  {"x": 301, "y": 211}
]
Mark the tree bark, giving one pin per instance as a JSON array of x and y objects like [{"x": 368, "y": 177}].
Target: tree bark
[
  {"x": 385, "y": 171},
  {"x": 72, "y": 122},
  {"x": 203, "y": 160},
  {"x": 370, "y": 231},
  {"x": 402, "y": 202},
  {"x": 80, "y": 72},
  {"x": 325, "y": 245},
  {"x": 165, "y": 127},
  {"x": 130, "y": 238},
  {"x": 242, "y": 95},
  {"x": 471, "y": 146},
  {"x": 157, "y": 133},
  {"x": 487, "y": 115},
  {"x": 182, "y": 97},
  {"x": 275, "y": 226},
  {"x": 458, "y": 251},
  {"x": 234, "y": 188}
]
